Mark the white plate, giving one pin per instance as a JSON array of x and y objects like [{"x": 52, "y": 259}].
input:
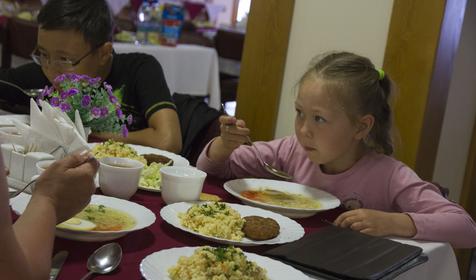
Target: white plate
[
  {"x": 155, "y": 266},
  {"x": 289, "y": 230},
  {"x": 143, "y": 217},
  {"x": 178, "y": 159},
  {"x": 6, "y": 120},
  {"x": 327, "y": 200}
]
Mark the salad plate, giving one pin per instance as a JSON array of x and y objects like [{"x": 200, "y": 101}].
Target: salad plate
[{"x": 152, "y": 173}]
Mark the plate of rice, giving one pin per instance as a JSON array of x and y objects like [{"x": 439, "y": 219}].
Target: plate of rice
[
  {"x": 150, "y": 177},
  {"x": 222, "y": 222},
  {"x": 194, "y": 263}
]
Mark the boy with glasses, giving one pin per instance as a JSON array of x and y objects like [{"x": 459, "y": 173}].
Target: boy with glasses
[{"x": 76, "y": 37}]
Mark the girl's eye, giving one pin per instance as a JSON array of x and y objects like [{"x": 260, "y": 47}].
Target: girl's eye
[
  {"x": 299, "y": 114},
  {"x": 319, "y": 119}
]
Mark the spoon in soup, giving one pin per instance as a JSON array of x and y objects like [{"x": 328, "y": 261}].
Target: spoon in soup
[{"x": 104, "y": 260}]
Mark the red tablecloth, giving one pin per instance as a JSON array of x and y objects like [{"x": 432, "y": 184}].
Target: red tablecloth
[{"x": 137, "y": 245}]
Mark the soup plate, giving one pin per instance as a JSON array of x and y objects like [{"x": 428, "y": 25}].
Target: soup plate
[
  {"x": 142, "y": 216},
  {"x": 326, "y": 200}
]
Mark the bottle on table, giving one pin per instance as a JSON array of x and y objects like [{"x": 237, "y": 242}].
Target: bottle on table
[{"x": 149, "y": 22}]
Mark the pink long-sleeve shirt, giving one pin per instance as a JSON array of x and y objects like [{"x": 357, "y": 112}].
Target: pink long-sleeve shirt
[{"x": 376, "y": 181}]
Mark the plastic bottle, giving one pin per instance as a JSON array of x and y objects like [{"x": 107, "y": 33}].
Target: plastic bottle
[
  {"x": 155, "y": 21},
  {"x": 142, "y": 24}
]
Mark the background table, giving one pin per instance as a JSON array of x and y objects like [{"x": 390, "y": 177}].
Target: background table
[
  {"x": 189, "y": 69},
  {"x": 160, "y": 235}
]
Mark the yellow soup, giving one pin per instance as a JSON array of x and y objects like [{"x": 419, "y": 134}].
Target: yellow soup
[
  {"x": 104, "y": 219},
  {"x": 280, "y": 198}
]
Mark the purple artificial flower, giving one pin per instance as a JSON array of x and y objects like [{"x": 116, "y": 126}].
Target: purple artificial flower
[
  {"x": 104, "y": 112},
  {"x": 65, "y": 107},
  {"x": 94, "y": 81},
  {"x": 59, "y": 79},
  {"x": 124, "y": 130},
  {"x": 54, "y": 101},
  {"x": 119, "y": 113},
  {"x": 85, "y": 101},
  {"x": 96, "y": 111},
  {"x": 113, "y": 99},
  {"x": 74, "y": 77},
  {"x": 73, "y": 91},
  {"x": 108, "y": 87},
  {"x": 64, "y": 95},
  {"x": 129, "y": 119}
]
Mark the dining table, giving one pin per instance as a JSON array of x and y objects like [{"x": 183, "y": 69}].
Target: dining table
[
  {"x": 160, "y": 235},
  {"x": 188, "y": 69}
]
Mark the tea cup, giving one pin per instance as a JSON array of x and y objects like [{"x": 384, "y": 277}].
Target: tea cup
[
  {"x": 181, "y": 183},
  {"x": 119, "y": 177}
]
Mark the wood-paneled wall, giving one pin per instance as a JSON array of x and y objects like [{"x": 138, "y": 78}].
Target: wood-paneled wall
[{"x": 262, "y": 65}]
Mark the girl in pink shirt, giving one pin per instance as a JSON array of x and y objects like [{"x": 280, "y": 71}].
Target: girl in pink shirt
[{"x": 342, "y": 144}]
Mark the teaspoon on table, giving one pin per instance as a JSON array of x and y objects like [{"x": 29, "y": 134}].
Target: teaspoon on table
[
  {"x": 33, "y": 93},
  {"x": 104, "y": 260}
]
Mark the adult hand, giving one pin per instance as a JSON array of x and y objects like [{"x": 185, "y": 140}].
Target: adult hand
[
  {"x": 377, "y": 223},
  {"x": 68, "y": 184},
  {"x": 233, "y": 132}
]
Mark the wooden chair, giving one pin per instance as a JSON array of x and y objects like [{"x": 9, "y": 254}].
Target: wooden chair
[
  {"x": 229, "y": 45},
  {"x": 18, "y": 38}
]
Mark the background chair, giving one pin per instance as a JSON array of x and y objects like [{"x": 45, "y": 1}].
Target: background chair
[
  {"x": 229, "y": 46},
  {"x": 18, "y": 38},
  {"x": 198, "y": 122}
]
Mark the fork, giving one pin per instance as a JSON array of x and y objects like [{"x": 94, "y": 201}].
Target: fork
[{"x": 16, "y": 193}]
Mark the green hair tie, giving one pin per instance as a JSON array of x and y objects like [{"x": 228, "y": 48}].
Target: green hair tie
[{"x": 381, "y": 74}]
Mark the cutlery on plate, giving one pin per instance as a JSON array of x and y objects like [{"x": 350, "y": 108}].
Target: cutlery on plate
[{"x": 56, "y": 263}]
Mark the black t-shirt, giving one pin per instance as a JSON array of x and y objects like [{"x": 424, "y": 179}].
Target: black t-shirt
[{"x": 140, "y": 76}]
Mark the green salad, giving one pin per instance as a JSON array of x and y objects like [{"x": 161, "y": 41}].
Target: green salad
[{"x": 150, "y": 176}]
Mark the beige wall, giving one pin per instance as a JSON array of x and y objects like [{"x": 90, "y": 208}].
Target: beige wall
[
  {"x": 322, "y": 25},
  {"x": 460, "y": 111}
]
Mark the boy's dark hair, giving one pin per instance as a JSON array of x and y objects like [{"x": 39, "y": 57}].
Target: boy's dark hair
[
  {"x": 361, "y": 90},
  {"x": 91, "y": 18}
]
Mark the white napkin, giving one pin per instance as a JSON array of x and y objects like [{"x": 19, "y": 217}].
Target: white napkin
[{"x": 50, "y": 128}]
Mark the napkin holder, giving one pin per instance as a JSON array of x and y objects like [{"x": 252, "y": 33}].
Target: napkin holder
[
  {"x": 22, "y": 166},
  {"x": 338, "y": 253}
]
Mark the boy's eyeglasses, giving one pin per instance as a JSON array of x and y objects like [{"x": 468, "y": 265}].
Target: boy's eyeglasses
[{"x": 63, "y": 64}]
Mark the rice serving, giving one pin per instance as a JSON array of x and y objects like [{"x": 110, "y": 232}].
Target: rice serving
[
  {"x": 216, "y": 264},
  {"x": 214, "y": 219},
  {"x": 112, "y": 148}
]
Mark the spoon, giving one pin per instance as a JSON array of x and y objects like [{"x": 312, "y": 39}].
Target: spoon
[
  {"x": 104, "y": 260},
  {"x": 28, "y": 92},
  {"x": 268, "y": 167}
]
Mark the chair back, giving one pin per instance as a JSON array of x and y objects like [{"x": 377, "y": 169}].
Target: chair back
[
  {"x": 198, "y": 123},
  {"x": 19, "y": 38}
]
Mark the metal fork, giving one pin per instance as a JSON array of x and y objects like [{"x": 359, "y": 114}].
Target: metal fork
[{"x": 16, "y": 193}]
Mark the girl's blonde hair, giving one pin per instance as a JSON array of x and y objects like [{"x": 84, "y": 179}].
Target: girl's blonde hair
[{"x": 362, "y": 89}]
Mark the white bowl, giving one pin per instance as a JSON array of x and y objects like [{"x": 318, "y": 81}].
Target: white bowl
[{"x": 179, "y": 183}]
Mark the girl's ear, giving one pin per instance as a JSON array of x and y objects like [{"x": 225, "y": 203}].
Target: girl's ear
[
  {"x": 105, "y": 53},
  {"x": 364, "y": 126}
]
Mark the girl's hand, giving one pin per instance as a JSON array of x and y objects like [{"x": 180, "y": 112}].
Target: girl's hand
[
  {"x": 377, "y": 223},
  {"x": 233, "y": 133}
]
